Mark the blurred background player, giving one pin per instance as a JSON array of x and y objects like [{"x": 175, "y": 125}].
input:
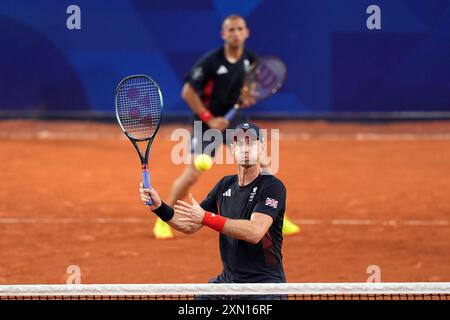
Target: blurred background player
[{"x": 212, "y": 87}]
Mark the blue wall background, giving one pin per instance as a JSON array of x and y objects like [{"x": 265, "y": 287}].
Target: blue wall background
[{"x": 335, "y": 64}]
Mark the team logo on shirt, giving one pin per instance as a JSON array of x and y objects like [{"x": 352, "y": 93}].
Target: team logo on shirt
[
  {"x": 246, "y": 65},
  {"x": 252, "y": 195},
  {"x": 227, "y": 193},
  {"x": 222, "y": 69},
  {"x": 271, "y": 203},
  {"x": 198, "y": 72}
]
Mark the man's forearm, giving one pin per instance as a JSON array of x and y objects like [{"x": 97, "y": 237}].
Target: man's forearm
[
  {"x": 245, "y": 230},
  {"x": 191, "y": 97},
  {"x": 251, "y": 231}
]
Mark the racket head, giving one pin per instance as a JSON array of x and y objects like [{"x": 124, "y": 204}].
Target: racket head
[
  {"x": 139, "y": 105},
  {"x": 265, "y": 77}
]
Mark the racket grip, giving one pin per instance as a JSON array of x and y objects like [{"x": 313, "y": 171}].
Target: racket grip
[
  {"x": 146, "y": 183},
  {"x": 231, "y": 113}
]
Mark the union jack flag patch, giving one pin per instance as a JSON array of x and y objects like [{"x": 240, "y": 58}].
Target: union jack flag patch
[{"x": 271, "y": 203}]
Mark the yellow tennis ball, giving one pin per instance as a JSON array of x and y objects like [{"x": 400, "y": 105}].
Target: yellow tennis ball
[{"x": 203, "y": 162}]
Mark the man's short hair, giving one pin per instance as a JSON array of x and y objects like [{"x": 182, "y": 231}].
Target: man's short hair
[
  {"x": 250, "y": 130},
  {"x": 232, "y": 17}
]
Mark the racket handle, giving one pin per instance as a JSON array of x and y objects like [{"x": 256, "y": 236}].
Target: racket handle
[
  {"x": 232, "y": 113},
  {"x": 146, "y": 182}
]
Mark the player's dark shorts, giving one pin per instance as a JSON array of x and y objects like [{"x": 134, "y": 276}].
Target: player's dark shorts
[{"x": 207, "y": 143}]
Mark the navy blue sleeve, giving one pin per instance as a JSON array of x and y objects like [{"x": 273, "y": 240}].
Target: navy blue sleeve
[
  {"x": 200, "y": 73},
  {"x": 272, "y": 199},
  {"x": 210, "y": 202}
]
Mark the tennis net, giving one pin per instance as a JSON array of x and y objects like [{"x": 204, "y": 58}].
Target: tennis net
[{"x": 286, "y": 291}]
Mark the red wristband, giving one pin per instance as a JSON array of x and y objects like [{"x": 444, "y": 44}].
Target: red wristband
[
  {"x": 214, "y": 221},
  {"x": 206, "y": 115}
]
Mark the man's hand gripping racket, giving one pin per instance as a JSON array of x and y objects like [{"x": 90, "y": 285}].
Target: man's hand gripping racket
[
  {"x": 263, "y": 79},
  {"x": 139, "y": 106}
]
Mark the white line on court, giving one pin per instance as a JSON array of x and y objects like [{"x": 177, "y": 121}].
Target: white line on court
[
  {"x": 365, "y": 222},
  {"x": 305, "y": 136},
  {"x": 15, "y": 220},
  {"x": 366, "y": 136},
  {"x": 335, "y": 222}
]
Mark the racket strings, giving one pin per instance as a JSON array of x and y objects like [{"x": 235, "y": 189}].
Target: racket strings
[
  {"x": 266, "y": 77},
  {"x": 139, "y": 107}
]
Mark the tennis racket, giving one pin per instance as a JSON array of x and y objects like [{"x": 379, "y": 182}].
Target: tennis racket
[
  {"x": 139, "y": 106},
  {"x": 264, "y": 78}
]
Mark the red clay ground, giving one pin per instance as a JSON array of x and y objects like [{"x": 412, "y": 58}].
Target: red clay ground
[{"x": 343, "y": 188}]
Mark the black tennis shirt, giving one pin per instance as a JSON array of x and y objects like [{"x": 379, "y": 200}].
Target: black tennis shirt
[
  {"x": 217, "y": 81},
  {"x": 242, "y": 261}
]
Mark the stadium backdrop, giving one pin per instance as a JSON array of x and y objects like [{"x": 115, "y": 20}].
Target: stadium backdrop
[{"x": 336, "y": 65}]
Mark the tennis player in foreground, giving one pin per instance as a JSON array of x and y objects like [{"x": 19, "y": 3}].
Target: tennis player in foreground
[{"x": 247, "y": 210}]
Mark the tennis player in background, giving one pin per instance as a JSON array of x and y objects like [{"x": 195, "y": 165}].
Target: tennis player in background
[
  {"x": 247, "y": 209},
  {"x": 211, "y": 89}
]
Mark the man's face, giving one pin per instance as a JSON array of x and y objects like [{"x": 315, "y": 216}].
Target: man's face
[
  {"x": 247, "y": 151},
  {"x": 234, "y": 32}
]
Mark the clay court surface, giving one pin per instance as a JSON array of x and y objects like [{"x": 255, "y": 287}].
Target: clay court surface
[{"x": 363, "y": 194}]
